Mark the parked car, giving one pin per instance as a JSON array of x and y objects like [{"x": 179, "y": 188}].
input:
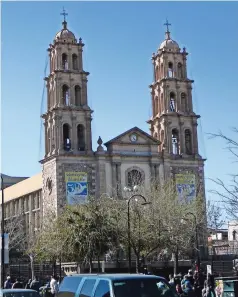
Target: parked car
[
  {"x": 115, "y": 285},
  {"x": 18, "y": 293}
]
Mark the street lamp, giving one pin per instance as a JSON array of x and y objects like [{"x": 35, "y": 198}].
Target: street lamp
[
  {"x": 134, "y": 196},
  {"x": 2, "y": 260},
  {"x": 196, "y": 237}
]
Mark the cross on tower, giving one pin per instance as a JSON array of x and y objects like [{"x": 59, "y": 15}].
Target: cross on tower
[
  {"x": 64, "y": 14},
  {"x": 167, "y": 25}
]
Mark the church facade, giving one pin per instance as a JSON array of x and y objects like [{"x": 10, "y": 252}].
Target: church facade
[{"x": 72, "y": 171}]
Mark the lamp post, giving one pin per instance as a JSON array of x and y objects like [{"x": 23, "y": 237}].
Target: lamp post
[
  {"x": 196, "y": 238},
  {"x": 128, "y": 219},
  {"x": 2, "y": 259}
]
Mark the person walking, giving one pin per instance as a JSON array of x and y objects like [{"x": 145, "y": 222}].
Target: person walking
[
  {"x": 54, "y": 287},
  {"x": 28, "y": 284},
  {"x": 17, "y": 284},
  {"x": 8, "y": 283},
  {"x": 35, "y": 284}
]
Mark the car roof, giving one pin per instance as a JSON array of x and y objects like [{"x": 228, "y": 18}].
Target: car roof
[
  {"x": 16, "y": 290},
  {"x": 116, "y": 276}
]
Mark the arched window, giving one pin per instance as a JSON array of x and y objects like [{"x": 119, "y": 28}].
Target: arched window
[
  {"x": 155, "y": 135},
  {"x": 172, "y": 102},
  {"x": 183, "y": 102},
  {"x": 65, "y": 62},
  {"x": 180, "y": 70},
  {"x": 175, "y": 142},
  {"x": 170, "y": 69},
  {"x": 134, "y": 178},
  {"x": 234, "y": 234},
  {"x": 75, "y": 61},
  {"x": 77, "y": 91},
  {"x": 65, "y": 94},
  {"x": 66, "y": 137},
  {"x": 81, "y": 137},
  {"x": 188, "y": 142}
]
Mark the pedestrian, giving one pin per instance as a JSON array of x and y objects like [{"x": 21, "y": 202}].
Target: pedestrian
[
  {"x": 17, "y": 284},
  {"x": 187, "y": 286},
  {"x": 190, "y": 276},
  {"x": 179, "y": 289},
  {"x": 211, "y": 285},
  {"x": 28, "y": 284},
  {"x": 8, "y": 283},
  {"x": 35, "y": 284},
  {"x": 54, "y": 287},
  {"x": 171, "y": 280}
]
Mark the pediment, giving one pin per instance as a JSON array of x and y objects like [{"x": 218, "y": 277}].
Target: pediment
[{"x": 140, "y": 138}]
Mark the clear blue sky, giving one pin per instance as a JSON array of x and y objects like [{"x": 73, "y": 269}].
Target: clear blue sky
[{"x": 119, "y": 40}]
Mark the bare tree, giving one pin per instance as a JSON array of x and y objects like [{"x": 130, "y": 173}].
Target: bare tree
[
  {"x": 214, "y": 215},
  {"x": 14, "y": 226},
  {"x": 229, "y": 193}
]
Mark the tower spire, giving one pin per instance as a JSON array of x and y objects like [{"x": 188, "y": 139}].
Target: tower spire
[
  {"x": 64, "y": 13},
  {"x": 167, "y": 33}
]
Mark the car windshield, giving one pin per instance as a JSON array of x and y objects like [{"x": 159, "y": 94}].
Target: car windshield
[
  {"x": 20, "y": 294},
  {"x": 150, "y": 287}
]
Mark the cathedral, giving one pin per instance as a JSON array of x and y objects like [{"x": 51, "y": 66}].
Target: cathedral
[{"x": 72, "y": 171}]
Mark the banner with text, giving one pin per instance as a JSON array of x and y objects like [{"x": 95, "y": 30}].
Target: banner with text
[
  {"x": 76, "y": 187},
  {"x": 186, "y": 186}
]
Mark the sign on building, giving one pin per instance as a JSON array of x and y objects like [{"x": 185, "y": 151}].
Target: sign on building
[
  {"x": 185, "y": 186},
  {"x": 76, "y": 187}
]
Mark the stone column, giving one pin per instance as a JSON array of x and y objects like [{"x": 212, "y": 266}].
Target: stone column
[
  {"x": 184, "y": 66},
  {"x": 195, "y": 139},
  {"x": 59, "y": 59},
  {"x": 88, "y": 133},
  {"x": 114, "y": 179},
  {"x": 84, "y": 91},
  {"x": 181, "y": 137},
  {"x": 60, "y": 141},
  {"x": 102, "y": 176},
  {"x": 50, "y": 135},
  {"x": 169, "y": 140},
  {"x": 53, "y": 144},
  {"x": 80, "y": 59},
  {"x": 46, "y": 142},
  {"x": 74, "y": 138},
  {"x": 175, "y": 72},
  {"x": 118, "y": 179},
  {"x": 190, "y": 100},
  {"x": 70, "y": 59},
  {"x": 166, "y": 99},
  {"x": 165, "y": 63},
  {"x": 178, "y": 101}
]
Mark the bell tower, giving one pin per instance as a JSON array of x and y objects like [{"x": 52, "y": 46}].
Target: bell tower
[
  {"x": 69, "y": 168},
  {"x": 173, "y": 121},
  {"x": 68, "y": 118}
]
